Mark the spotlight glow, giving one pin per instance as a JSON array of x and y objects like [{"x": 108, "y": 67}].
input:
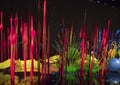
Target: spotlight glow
[{"x": 98, "y": 1}]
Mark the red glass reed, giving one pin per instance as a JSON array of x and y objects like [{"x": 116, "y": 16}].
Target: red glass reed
[
  {"x": 39, "y": 41},
  {"x": 8, "y": 44},
  {"x": 104, "y": 42},
  {"x": 16, "y": 30},
  {"x": 24, "y": 44},
  {"x": 43, "y": 39},
  {"x": 1, "y": 34},
  {"x": 12, "y": 38},
  {"x": 4, "y": 47},
  {"x": 32, "y": 32},
  {"x": 48, "y": 50},
  {"x": 83, "y": 52}
]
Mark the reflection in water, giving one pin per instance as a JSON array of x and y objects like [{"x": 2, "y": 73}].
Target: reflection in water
[{"x": 113, "y": 78}]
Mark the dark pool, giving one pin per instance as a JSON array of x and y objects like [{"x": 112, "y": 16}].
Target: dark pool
[{"x": 110, "y": 78}]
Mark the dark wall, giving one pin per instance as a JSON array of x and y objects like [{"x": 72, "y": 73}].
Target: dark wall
[{"x": 71, "y": 10}]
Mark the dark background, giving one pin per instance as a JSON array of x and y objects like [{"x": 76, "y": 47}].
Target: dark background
[{"x": 97, "y": 12}]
